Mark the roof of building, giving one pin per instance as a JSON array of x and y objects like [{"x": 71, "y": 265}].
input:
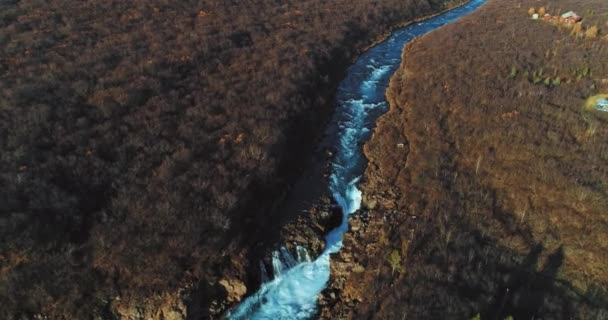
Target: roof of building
[
  {"x": 570, "y": 14},
  {"x": 602, "y": 105},
  {"x": 601, "y": 108}
]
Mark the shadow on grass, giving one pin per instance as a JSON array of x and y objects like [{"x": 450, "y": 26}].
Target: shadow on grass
[{"x": 524, "y": 294}]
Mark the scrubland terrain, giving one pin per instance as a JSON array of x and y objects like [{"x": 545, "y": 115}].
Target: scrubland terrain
[
  {"x": 486, "y": 188},
  {"x": 144, "y": 144}
]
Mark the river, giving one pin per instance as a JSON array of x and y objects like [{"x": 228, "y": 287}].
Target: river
[{"x": 298, "y": 280}]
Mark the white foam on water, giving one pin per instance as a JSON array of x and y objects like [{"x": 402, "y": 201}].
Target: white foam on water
[{"x": 370, "y": 85}]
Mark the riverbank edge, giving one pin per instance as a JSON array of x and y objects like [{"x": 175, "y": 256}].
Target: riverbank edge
[
  {"x": 324, "y": 204},
  {"x": 321, "y": 143},
  {"x": 320, "y": 162},
  {"x": 390, "y": 99},
  {"x": 329, "y": 292},
  {"x": 326, "y": 196},
  {"x": 387, "y": 34},
  {"x": 194, "y": 299}
]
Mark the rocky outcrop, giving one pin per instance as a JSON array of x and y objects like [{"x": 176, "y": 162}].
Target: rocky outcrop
[
  {"x": 235, "y": 289},
  {"x": 162, "y": 308}
]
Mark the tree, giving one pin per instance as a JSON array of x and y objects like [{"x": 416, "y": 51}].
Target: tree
[
  {"x": 531, "y": 11},
  {"x": 395, "y": 260},
  {"x": 557, "y": 81},
  {"x": 541, "y": 11},
  {"x": 513, "y": 73}
]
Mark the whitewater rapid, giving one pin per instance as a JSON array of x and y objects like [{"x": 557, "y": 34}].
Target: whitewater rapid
[{"x": 297, "y": 281}]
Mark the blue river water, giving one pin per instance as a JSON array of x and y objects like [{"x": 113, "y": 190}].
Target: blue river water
[{"x": 297, "y": 281}]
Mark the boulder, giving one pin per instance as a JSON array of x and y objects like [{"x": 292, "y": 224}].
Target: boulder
[
  {"x": 235, "y": 289},
  {"x": 355, "y": 225}
]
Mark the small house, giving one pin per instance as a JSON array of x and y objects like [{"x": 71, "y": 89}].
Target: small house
[
  {"x": 535, "y": 16},
  {"x": 602, "y": 105},
  {"x": 547, "y": 17},
  {"x": 571, "y": 17}
]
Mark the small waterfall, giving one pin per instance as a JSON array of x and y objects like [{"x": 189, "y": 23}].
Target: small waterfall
[
  {"x": 277, "y": 265},
  {"x": 282, "y": 261},
  {"x": 288, "y": 259},
  {"x": 302, "y": 254},
  {"x": 263, "y": 273}
]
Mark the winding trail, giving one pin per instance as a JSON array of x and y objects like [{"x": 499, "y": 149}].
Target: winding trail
[{"x": 293, "y": 293}]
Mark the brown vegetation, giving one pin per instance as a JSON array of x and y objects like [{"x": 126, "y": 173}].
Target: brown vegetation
[
  {"x": 500, "y": 192},
  {"x": 145, "y": 142}
]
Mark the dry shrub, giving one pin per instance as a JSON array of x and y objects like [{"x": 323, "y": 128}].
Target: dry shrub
[
  {"x": 577, "y": 29},
  {"x": 592, "y": 32}
]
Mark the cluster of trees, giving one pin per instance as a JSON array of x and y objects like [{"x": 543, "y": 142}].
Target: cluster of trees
[{"x": 144, "y": 141}]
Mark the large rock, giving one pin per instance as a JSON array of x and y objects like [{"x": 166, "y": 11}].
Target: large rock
[
  {"x": 166, "y": 307},
  {"x": 236, "y": 289}
]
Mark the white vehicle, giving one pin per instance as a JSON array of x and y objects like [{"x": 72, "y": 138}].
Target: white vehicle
[{"x": 602, "y": 105}]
